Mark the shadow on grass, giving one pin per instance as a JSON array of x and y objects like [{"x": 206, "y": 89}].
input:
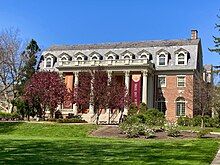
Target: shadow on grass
[
  {"x": 7, "y": 127},
  {"x": 103, "y": 151}
]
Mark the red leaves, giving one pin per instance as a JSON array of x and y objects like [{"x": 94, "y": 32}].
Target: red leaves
[{"x": 47, "y": 88}]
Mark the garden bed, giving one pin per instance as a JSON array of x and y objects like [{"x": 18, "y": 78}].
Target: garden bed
[{"x": 114, "y": 131}]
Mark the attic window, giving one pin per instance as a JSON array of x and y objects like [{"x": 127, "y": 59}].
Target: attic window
[
  {"x": 94, "y": 58},
  {"x": 49, "y": 62},
  {"x": 64, "y": 58},
  {"x": 162, "y": 59},
  {"x": 127, "y": 57},
  {"x": 181, "y": 59},
  {"x": 110, "y": 58}
]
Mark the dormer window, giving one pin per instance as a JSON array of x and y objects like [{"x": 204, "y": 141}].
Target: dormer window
[
  {"x": 181, "y": 59},
  {"x": 94, "y": 58},
  {"x": 126, "y": 57},
  {"x": 110, "y": 58},
  {"x": 182, "y": 56},
  {"x": 79, "y": 58},
  {"x": 64, "y": 58},
  {"x": 49, "y": 62},
  {"x": 143, "y": 56},
  {"x": 162, "y": 57},
  {"x": 162, "y": 60}
]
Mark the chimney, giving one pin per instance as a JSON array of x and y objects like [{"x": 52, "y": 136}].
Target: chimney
[{"x": 194, "y": 34}]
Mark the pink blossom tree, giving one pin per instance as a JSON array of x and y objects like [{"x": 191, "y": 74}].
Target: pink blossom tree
[{"x": 47, "y": 88}]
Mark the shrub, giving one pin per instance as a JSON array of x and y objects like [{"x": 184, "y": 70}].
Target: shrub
[
  {"x": 9, "y": 116},
  {"x": 143, "y": 108},
  {"x": 133, "y": 127},
  {"x": 52, "y": 119},
  {"x": 132, "y": 110},
  {"x": 74, "y": 120},
  {"x": 154, "y": 117},
  {"x": 172, "y": 130},
  {"x": 197, "y": 120},
  {"x": 203, "y": 132},
  {"x": 184, "y": 121}
]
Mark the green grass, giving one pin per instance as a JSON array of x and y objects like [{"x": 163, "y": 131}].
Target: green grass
[
  {"x": 28, "y": 143},
  {"x": 198, "y": 128}
]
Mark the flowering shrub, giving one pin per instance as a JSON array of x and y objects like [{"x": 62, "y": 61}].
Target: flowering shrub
[{"x": 172, "y": 129}]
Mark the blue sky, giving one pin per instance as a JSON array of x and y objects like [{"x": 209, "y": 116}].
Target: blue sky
[{"x": 96, "y": 21}]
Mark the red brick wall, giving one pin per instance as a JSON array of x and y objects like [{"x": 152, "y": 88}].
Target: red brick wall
[{"x": 171, "y": 92}]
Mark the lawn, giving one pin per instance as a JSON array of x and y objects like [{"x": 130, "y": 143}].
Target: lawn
[
  {"x": 28, "y": 143},
  {"x": 197, "y": 128}
]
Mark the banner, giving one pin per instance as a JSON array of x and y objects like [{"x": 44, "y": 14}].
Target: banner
[{"x": 136, "y": 89}]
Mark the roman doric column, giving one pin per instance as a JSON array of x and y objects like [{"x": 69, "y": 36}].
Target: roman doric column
[
  {"x": 76, "y": 83},
  {"x": 127, "y": 85},
  {"x": 109, "y": 80},
  {"x": 144, "y": 87}
]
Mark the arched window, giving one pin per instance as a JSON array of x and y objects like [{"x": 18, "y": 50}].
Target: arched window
[
  {"x": 94, "y": 58},
  {"x": 110, "y": 58},
  {"x": 64, "y": 58},
  {"x": 79, "y": 59},
  {"x": 180, "y": 106},
  {"x": 162, "y": 59},
  {"x": 161, "y": 104},
  {"x": 127, "y": 57},
  {"x": 144, "y": 56},
  {"x": 48, "y": 62},
  {"x": 181, "y": 59}
]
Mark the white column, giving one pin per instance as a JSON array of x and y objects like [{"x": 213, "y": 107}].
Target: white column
[
  {"x": 127, "y": 85},
  {"x": 109, "y": 80},
  {"x": 144, "y": 87},
  {"x": 76, "y": 83},
  {"x": 91, "y": 106}
]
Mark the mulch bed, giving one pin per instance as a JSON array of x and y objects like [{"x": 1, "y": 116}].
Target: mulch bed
[{"x": 114, "y": 131}]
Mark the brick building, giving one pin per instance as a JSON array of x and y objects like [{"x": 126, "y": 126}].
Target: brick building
[{"x": 165, "y": 70}]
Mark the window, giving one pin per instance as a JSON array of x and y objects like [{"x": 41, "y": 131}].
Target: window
[
  {"x": 180, "y": 106},
  {"x": 63, "y": 58},
  {"x": 79, "y": 59},
  {"x": 181, "y": 59},
  {"x": 127, "y": 57},
  {"x": 94, "y": 58},
  {"x": 162, "y": 59},
  {"x": 161, "y": 105},
  {"x": 48, "y": 62},
  {"x": 110, "y": 58},
  {"x": 180, "y": 81},
  {"x": 143, "y": 56},
  {"x": 161, "y": 81}
]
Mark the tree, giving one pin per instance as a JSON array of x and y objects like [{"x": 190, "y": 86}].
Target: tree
[
  {"x": 201, "y": 94},
  {"x": 216, "y": 40},
  {"x": 94, "y": 88},
  {"x": 11, "y": 62},
  {"x": 118, "y": 97},
  {"x": 28, "y": 70},
  {"x": 48, "y": 89}
]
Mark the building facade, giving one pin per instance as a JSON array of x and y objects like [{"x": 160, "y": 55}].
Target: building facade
[{"x": 160, "y": 73}]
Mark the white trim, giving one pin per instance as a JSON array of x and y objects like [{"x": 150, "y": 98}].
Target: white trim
[
  {"x": 51, "y": 62},
  {"x": 166, "y": 59},
  {"x": 177, "y": 59},
  {"x": 177, "y": 77}
]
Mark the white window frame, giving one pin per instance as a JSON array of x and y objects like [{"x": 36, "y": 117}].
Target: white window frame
[
  {"x": 79, "y": 56},
  {"x": 158, "y": 59},
  {"x": 95, "y": 56},
  {"x": 51, "y": 62},
  {"x": 66, "y": 59},
  {"x": 144, "y": 54},
  {"x": 177, "y": 80},
  {"x": 181, "y": 110},
  {"x": 185, "y": 58},
  {"x": 160, "y": 102},
  {"x": 112, "y": 56},
  {"x": 158, "y": 82}
]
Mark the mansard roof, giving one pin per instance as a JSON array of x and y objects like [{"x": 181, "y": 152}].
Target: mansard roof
[{"x": 155, "y": 43}]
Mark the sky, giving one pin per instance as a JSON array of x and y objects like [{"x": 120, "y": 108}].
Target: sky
[{"x": 54, "y": 22}]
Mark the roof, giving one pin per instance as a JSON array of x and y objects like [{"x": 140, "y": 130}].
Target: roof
[{"x": 155, "y": 43}]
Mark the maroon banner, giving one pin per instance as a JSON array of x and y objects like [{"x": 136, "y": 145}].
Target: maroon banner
[{"x": 136, "y": 89}]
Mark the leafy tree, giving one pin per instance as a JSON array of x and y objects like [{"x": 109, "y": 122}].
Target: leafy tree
[
  {"x": 48, "y": 89},
  {"x": 95, "y": 89},
  {"x": 28, "y": 70}
]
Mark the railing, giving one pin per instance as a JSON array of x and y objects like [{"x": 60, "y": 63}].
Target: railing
[{"x": 117, "y": 62}]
